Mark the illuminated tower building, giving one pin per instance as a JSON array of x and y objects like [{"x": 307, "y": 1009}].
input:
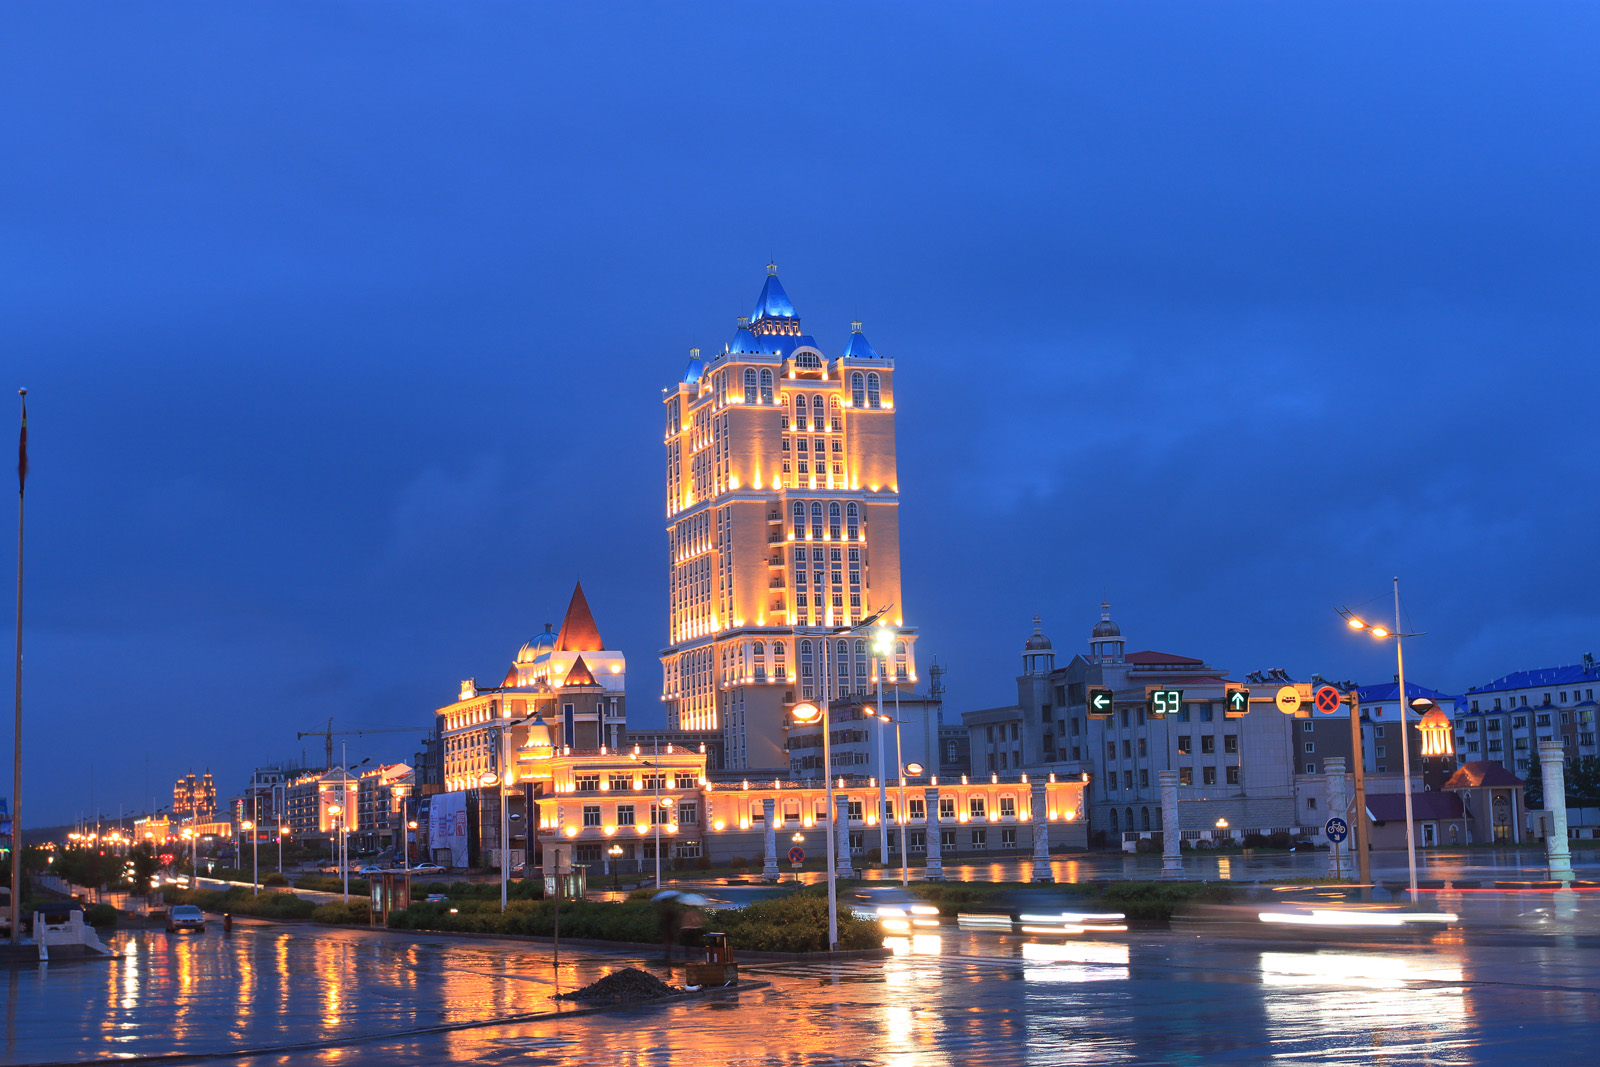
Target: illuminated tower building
[{"x": 782, "y": 523}]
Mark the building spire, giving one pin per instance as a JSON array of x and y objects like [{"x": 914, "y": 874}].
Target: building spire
[{"x": 772, "y": 270}]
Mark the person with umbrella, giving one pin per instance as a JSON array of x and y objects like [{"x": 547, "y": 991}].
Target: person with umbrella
[{"x": 668, "y": 916}]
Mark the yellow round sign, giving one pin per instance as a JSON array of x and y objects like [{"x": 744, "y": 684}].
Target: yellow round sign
[{"x": 1288, "y": 700}]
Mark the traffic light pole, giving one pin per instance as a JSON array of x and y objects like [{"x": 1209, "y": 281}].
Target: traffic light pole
[{"x": 1359, "y": 830}]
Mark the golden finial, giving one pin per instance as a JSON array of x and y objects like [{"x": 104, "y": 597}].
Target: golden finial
[{"x": 772, "y": 268}]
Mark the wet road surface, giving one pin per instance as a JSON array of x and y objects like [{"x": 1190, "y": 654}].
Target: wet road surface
[{"x": 1502, "y": 994}]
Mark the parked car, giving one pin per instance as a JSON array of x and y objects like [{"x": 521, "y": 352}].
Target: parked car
[
  {"x": 371, "y": 868},
  {"x": 186, "y": 917},
  {"x": 427, "y": 868}
]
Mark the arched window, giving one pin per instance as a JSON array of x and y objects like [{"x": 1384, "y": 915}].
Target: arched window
[
  {"x": 833, "y": 520},
  {"x": 797, "y": 511},
  {"x": 873, "y": 390},
  {"x": 833, "y": 415},
  {"x": 766, "y": 386},
  {"x": 861, "y": 649},
  {"x": 800, "y": 412},
  {"x": 817, "y": 409},
  {"x": 858, "y": 390},
  {"x": 1113, "y": 820},
  {"x": 1130, "y": 818},
  {"x": 673, "y": 419},
  {"x": 1144, "y": 818},
  {"x": 805, "y": 649},
  {"x": 777, "y": 649},
  {"x": 749, "y": 385},
  {"x": 899, "y": 648},
  {"x": 759, "y": 648},
  {"x": 842, "y": 649},
  {"x": 816, "y": 521},
  {"x": 852, "y": 516}
]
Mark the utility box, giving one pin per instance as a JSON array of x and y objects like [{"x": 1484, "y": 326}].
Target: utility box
[{"x": 718, "y": 968}]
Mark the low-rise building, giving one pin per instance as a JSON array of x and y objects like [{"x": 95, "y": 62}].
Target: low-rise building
[{"x": 1503, "y": 721}]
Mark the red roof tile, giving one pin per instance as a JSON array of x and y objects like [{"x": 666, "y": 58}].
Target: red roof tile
[
  {"x": 1160, "y": 659},
  {"x": 578, "y": 631},
  {"x": 579, "y": 674},
  {"x": 1476, "y": 773}
]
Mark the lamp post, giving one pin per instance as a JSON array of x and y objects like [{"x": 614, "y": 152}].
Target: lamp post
[
  {"x": 283, "y": 832},
  {"x": 1382, "y": 633},
  {"x": 337, "y": 811},
  {"x": 249, "y": 827},
  {"x": 411, "y": 828},
  {"x": 539, "y": 746},
  {"x": 1222, "y": 829}
]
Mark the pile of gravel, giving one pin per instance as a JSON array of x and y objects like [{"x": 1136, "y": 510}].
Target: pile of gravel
[{"x": 629, "y": 983}]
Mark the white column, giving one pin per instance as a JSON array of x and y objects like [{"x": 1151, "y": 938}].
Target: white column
[
  {"x": 769, "y": 869},
  {"x": 1171, "y": 832},
  {"x": 935, "y": 867},
  {"x": 1333, "y": 772},
  {"x": 841, "y": 823},
  {"x": 1555, "y": 802},
  {"x": 1040, "y": 817}
]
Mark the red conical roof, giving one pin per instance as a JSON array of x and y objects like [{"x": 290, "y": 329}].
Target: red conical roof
[
  {"x": 578, "y": 631},
  {"x": 579, "y": 674}
]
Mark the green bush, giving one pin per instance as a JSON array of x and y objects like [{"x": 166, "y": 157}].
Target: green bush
[
  {"x": 100, "y": 915},
  {"x": 1255, "y": 840},
  {"x": 241, "y": 901},
  {"x": 341, "y": 912},
  {"x": 794, "y": 923},
  {"x": 331, "y": 883},
  {"x": 274, "y": 879},
  {"x": 1281, "y": 839},
  {"x": 1158, "y": 900}
]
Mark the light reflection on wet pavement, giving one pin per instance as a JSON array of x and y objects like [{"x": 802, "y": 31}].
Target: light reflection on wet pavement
[{"x": 955, "y": 999}]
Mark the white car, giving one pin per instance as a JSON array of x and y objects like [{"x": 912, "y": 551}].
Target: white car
[
  {"x": 186, "y": 917},
  {"x": 427, "y": 868}
]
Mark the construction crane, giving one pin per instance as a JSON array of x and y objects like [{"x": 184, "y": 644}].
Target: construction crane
[{"x": 329, "y": 734}]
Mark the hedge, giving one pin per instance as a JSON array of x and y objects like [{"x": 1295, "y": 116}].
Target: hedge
[
  {"x": 239, "y": 900},
  {"x": 794, "y": 923}
]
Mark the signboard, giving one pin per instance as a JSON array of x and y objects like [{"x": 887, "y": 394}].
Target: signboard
[
  {"x": 797, "y": 855},
  {"x": 1237, "y": 703},
  {"x": 447, "y": 826},
  {"x": 1327, "y": 699},
  {"x": 1101, "y": 702},
  {"x": 1337, "y": 830},
  {"x": 1288, "y": 700},
  {"x": 1165, "y": 701}
]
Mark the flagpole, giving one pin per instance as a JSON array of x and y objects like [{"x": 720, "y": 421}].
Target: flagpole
[{"x": 16, "y": 752}]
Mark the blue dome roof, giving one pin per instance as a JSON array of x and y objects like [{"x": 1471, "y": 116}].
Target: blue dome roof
[
  {"x": 773, "y": 303},
  {"x": 744, "y": 342},
  {"x": 539, "y": 648},
  {"x": 858, "y": 348},
  {"x": 696, "y": 368}
]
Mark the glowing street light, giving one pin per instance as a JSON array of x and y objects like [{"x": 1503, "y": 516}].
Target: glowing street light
[{"x": 1382, "y": 633}]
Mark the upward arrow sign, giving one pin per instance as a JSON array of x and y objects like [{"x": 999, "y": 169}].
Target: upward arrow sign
[{"x": 1237, "y": 701}]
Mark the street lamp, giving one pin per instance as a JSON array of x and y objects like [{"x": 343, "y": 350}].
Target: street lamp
[
  {"x": 539, "y": 745},
  {"x": 249, "y": 827},
  {"x": 283, "y": 832},
  {"x": 411, "y": 828},
  {"x": 337, "y": 811},
  {"x": 901, "y": 768},
  {"x": 1222, "y": 828},
  {"x": 1383, "y": 633}
]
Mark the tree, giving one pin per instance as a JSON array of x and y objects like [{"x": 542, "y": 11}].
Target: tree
[
  {"x": 145, "y": 865},
  {"x": 1533, "y": 786}
]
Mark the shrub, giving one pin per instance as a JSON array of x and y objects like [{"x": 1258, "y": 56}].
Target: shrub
[
  {"x": 100, "y": 915},
  {"x": 794, "y": 923},
  {"x": 738, "y": 862},
  {"x": 1255, "y": 840},
  {"x": 352, "y": 912},
  {"x": 274, "y": 879},
  {"x": 1158, "y": 900},
  {"x": 703, "y": 862},
  {"x": 1145, "y": 845},
  {"x": 1281, "y": 839},
  {"x": 332, "y": 883},
  {"x": 240, "y": 901}
]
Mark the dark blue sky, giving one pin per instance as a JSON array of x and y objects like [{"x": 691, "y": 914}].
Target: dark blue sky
[{"x": 346, "y": 327}]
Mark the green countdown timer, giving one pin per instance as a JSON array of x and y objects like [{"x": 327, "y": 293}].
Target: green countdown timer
[{"x": 1166, "y": 701}]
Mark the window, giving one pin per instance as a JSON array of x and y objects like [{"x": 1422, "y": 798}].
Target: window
[
  {"x": 833, "y": 521},
  {"x": 749, "y": 385},
  {"x": 816, "y": 520},
  {"x": 1127, "y": 749},
  {"x": 1144, "y": 778},
  {"x": 1111, "y": 750},
  {"x": 591, "y": 815},
  {"x": 1311, "y": 746},
  {"x": 688, "y": 814},
  {"x": 624, "y": 814},
  {"x": 682, "y": 780},
  {"x": 980, "y": 839},
  {"x": 1143, "y": 751},
  {"x": 947, "y": 840},
  {"x": 990, "y": 735},
  {"x": 586, "y": 783},
  {"x": 1008, "y": 837},
  {"x": 873, "y": 390},
  {"x": 918, "y": 809},
  {"x": 917, "y": 840},
  {"x": 1008, "y": 807},
  {"x": 1205, "y": 712},
  {"x": 766, "y": 386},
  {"x": 1208, "y": 776},
  {"x": 947, "y": 807},
  {"x": 1233, "y": 778},
  {"x": 620, "y": 782},
  {"x": 1377, "y": 731},
  {"x": 1230, "y": 742},
  {"x": 853, "y": 811},
  {"x": 1185, "y": 745},
  {"x": 1311, "y": 768},
  {"x": 1208, "y": 743},
  {"x": 1519, "y": 722},
  {"x": 800, "y": 412},
  {"x": 1542, "y": 720},
  {"x": 975, "y": 807},
  {"x": 1186, "y": 776},
  {"x": 1127, "y": 779},
  {"x": 852, "y": 516},
  {"x": 817, "y": 409},
  {"x": 858, "y": 389}
]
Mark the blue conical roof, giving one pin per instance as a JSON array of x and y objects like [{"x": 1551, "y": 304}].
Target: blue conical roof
[
  {"x": 696, "y": 368},
  {"x": 858, "y": 348},
  {"x": 773, "y": 303}
]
